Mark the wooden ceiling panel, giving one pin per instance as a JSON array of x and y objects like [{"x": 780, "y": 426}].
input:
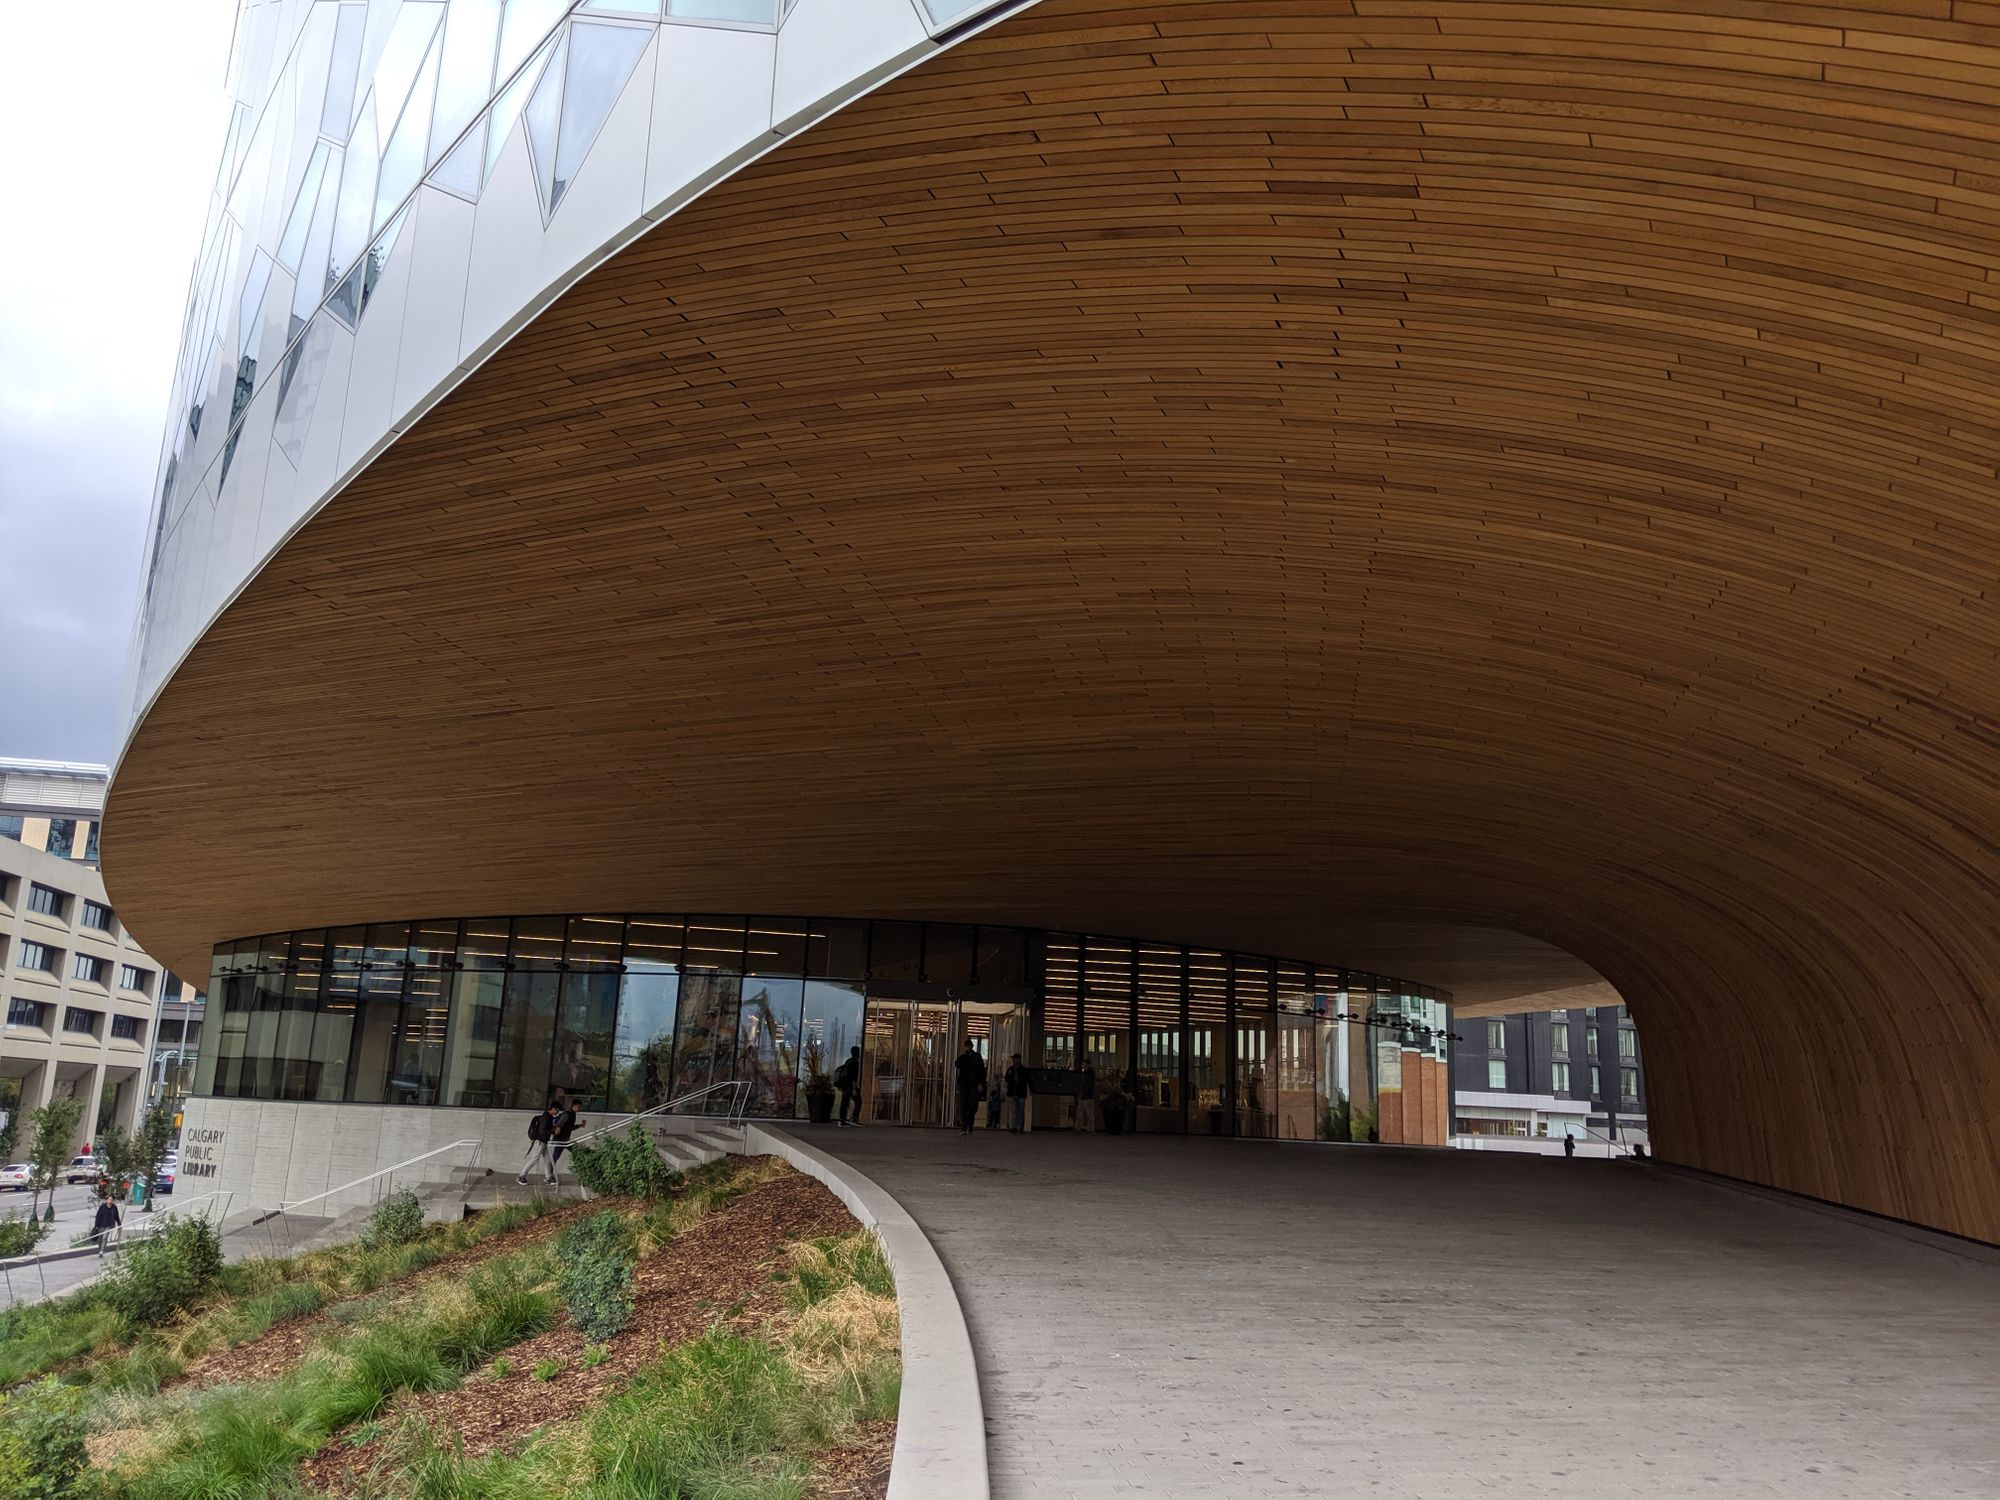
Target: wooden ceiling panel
[{"x": 1248, "y": 473}]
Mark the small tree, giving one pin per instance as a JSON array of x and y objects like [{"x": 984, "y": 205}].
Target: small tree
[
  {"x": 119, "y": 1152},
  {"x": 10, "y": 1133},
  {"x": 154, "y": 1140},
  {"x": 55, "y": 1133}
]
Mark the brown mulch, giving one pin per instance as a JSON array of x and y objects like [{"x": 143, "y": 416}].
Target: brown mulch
[
  {"x": 678, "y": 1292},
  {"x": 280, "y": 1348},
  {"x": 858, "y": 1470}
]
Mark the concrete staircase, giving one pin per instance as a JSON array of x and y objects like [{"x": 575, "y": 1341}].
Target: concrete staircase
[{"x": 684, "y": 1143}]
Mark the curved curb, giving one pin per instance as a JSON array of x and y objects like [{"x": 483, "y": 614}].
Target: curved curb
[{"x": 941, "y": 1422}]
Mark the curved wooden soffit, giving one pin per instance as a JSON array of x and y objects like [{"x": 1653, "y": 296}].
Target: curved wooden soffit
[{"x": 1232, "y": 472}]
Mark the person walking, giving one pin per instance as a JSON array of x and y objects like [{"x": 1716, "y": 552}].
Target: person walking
[
  {"x": 567, "y": 1119},
  {"x": 107, "y": 1220},
  {"x": 970, "y": 1071},
  {"x": 847, "y": 1078},
  {"x": 996, "y": 1098},
  {"x": 1017, "y": 1094},
  {"x": 540, "y": 1129},
  {"x": 1569, "y": 1145},
  {"x": 1086, "y": 1100}
]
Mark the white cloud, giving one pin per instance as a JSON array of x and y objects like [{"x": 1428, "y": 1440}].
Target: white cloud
[{"x": 114, "y": 116}]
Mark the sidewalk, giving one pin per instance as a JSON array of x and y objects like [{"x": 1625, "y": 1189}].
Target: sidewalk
[{"x": 76, "y": 1211}]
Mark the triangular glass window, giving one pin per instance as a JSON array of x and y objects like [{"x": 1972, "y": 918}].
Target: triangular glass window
[
  {"x": 337, "y": 117},
  {"x": 403, "y": 158},
  {"x": 345, "y": 303},
  {"x": 543, "y": 111},
  {"x": 601, "y": 59},
  {"x": 294, "y": 240},
  {"x": 527, "y": 22},
  {"x": 312, "y": 284},
  {"x": 378, "y": 257},
  {"x": 408, "y": 45},
  {"x": 465, "y": 78},
  {"x": 458, "y": 173},
  {"x": 507, "y": 109},
  {"x": 354, "y": 216}
]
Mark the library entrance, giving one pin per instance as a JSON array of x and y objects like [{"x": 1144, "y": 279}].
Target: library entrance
[{"x": 908, "y": 1048}]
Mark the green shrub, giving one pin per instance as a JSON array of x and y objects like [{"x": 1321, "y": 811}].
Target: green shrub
[
  {"x": 398, "y": 1220},
  {"x": 547, "y": 1369},
  {"x": 164, "y": 1273},
  {"x": 594, "y": 1274},
  {"x": 626, "y": 1164},
  {"x": 19, "y": 1236},
  {"x": 42, "y": 1453}
]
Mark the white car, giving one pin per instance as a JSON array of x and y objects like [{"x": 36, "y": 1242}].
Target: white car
[
  {"x": 82, "y": 1169},
  {"x": 18, "y": 1178}
]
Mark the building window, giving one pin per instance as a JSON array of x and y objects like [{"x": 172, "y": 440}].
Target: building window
[
  {"x": 1559, "y": 1078},
  {"x": 1559, "y": 1036},
  {"x": 1496, "y": 1074},
  {"x": 1596, "y": 1081},
  {"x": 10, "y": 826},
  {"x": 62, "y": 837},
  {"x": 26, "y": 1013},
  {"x": 125, "y": 1028},
  {"x": 1590, "y": 1040},
  {"x": 50, "y": 903},
  {"x": 89, "y": 969},
  {"x": 1628, "y": 1042},
  {"x": 130, "y": 978},
  {"x": 82, "y": 1020},
  {"x": 96, "y": 914},
  {"x": 90, "y": 843},
  {"x": 38, "y": 956},
  {"x": 1628, "y": 1083},
  {"x": 1496, "y": 1036}
]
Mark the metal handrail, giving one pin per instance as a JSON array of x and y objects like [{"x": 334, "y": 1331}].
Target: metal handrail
[
  {"x": 284, "y": 1210},
  {"x": 153, "y": 1222},
  {"x": 736, "y": 1113},
  {"x": 474, "y": 1142}
]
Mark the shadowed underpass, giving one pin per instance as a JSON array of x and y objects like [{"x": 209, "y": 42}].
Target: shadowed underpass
[{"x": 1196, "y": 1318}]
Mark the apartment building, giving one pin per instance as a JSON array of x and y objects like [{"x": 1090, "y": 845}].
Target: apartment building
[
  {"x": 1545, "y": 1075},
  {"x": 81, "y": 996}
]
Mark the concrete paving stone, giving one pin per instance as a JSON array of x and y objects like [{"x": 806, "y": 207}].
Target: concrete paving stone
[{"x": 1192, "y": 1318}]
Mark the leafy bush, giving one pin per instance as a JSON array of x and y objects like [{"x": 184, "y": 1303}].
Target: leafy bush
[
  {"x": 594, "y": 1274},
  {"x": 42, "y": 1454},
  {"x": 547, "y": 1369},
  {"x": 627, "y": 1164},
  {"x": 397, "y": 1221},
  {"x": 164, "y": 1273},
  {"x": 19, "y": 1236}
]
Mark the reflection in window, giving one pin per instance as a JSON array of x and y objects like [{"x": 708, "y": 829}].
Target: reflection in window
[
  {"x": 643, "y": 1045},
  {"x": 62, "y": 837},
  {"x": 830, "y": 1028},
  {"x": 767, "y": 1042},
  {"x": 583, "y": 1042},
  {"x": 706, "y": 1034},
  {"x": 601, "y": 60},
  {"x": 752, "y": 12}
]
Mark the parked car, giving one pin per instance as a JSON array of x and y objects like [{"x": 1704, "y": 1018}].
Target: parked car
[
  {"x": 18, "y": 1178},
  {"x": 82, "y": 1169}
]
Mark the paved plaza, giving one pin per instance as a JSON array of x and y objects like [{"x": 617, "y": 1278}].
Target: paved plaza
[{"x": 1209, "y": 1318}]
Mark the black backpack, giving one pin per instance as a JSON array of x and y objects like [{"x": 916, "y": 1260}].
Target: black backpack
[{"x": 538, "y": 1128}]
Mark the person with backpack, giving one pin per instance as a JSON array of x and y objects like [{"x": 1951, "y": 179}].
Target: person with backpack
[
  {"x": 568, "y": 1118},
  {"x": 847, "y": 1078},
  {"x": 540, "y": 1129}
]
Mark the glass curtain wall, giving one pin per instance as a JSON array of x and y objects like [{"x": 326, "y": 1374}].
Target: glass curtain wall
[{"x": 624, "y": 1013}]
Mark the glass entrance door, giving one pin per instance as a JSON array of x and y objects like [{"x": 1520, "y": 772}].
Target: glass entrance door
[{"x": 910, "y": 1050}]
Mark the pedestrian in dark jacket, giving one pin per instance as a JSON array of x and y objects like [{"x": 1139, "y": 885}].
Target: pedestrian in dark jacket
[
  {"x": 567, "y": 1119},
  {"x": 107, "y": 1220},
  {"x": 847, "y": 1078},
  {"x": 971, "y": 1077},
  {"x": 1017, "y": 1094}
]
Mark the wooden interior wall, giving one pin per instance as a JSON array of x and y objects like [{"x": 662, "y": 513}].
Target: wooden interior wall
[{"x": 1232, "y": 471}]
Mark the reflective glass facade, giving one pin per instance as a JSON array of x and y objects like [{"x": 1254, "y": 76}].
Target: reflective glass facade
[{"x": 628, "y": 1011}]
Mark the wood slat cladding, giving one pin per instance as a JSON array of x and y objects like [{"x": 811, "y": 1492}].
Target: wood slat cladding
[{"x": 1231, "y": 472}]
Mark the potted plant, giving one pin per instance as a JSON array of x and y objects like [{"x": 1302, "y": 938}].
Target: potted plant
[{"x": 819, "y": 1086}]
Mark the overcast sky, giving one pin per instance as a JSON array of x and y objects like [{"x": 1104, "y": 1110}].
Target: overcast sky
[{"x": 112, "y": 116}]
